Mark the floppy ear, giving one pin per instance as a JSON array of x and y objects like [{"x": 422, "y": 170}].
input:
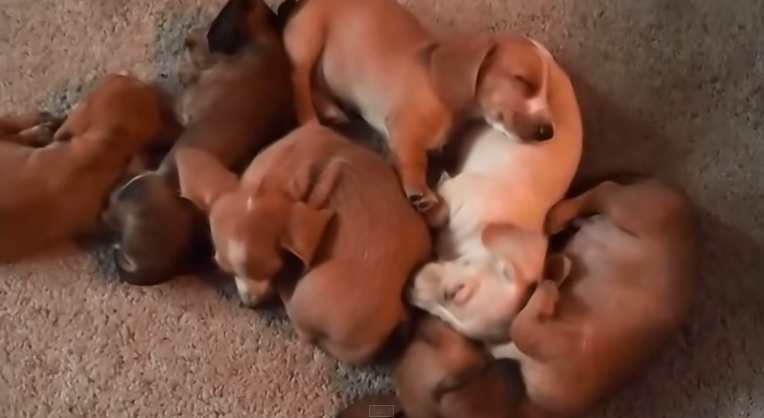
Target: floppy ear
[
  {"x": 509, "y": 243},
  {"x": 455, "y": 66},
  {"x": 203, "y": 179},
  {"x": 229, "y": 30},
  {"x": 557, "y": 268},
  {"x": 305, "y": 229}
]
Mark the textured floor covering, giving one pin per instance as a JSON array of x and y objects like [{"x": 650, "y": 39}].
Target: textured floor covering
[{"x": 673, "y": 87}]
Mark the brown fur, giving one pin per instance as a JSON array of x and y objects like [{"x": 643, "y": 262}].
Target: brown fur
[
  {"x": 335, "y": 206},
  {"x": 238, "y": 100},
  {"x": 52, "y": 193},
  {"x": 629, "y": 282},
  {"x": 444, "y": 375},
  {"x": 375, "y": 56}
]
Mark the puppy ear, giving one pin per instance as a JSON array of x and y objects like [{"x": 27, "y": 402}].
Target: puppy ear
[
  {"x": 455, "y": 66},
  {"x": 305, "y": 229},
  {"x": 557, "y": 268},
  {"x": 203, "y": 179},
  {"x": 229, "y": 31},
  {"x": 511, "y": 243}
]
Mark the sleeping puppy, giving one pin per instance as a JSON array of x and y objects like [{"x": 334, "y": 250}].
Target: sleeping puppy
[
  {"x": 632, "y": 271},
  {"x": 335, "y": 206},
  {"x": 490, "y": 238},
  {"x": 377, "y": 58},
  {"x": 444, "y": 375},
  {"x": 50, "y": 194},
  {"x": 238, "y": 100}
]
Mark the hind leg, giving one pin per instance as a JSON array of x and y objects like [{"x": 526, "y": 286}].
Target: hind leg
[
  {"x": 304, "y": 42},
  {"x": 31, "y": 128},
  {"x": 588, "y": 203}
]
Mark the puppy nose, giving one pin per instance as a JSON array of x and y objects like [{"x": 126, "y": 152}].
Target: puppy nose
[{"x": 545, "y": 131}]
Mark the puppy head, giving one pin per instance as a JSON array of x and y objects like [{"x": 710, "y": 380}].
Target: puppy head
[
  {"x": 480, "y": 294},
  {"x": 250, "y": 231},
  {"x": 238, "y": 23},
  {"x": 159, "y": 235},
  {"x": 512, "y": 89},
  {"x": 120, "y": 110}
]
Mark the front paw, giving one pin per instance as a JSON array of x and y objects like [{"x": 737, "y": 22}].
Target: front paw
[
  {"x": 545, "y": 298},
  {"x": 423, "y": 199}
]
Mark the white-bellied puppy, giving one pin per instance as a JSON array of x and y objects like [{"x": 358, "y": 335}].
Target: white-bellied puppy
[{"x": 490, "y": 241}]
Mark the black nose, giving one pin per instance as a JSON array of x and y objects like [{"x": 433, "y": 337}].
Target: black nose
[{"x": 545, "y": 131}]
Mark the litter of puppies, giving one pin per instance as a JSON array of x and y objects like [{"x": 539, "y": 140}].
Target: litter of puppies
[{"x": 256, "y": 179}]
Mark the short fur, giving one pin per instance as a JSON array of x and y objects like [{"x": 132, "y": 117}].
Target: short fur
[
  {"x": 630, "y": 274},
  {"x": 444, "y": 375},
  {"x": 490, "y": 240},
  {"x": 375, "y": 57},
  {"x": 336, "y": 207},
  {"x": 238, "y": 101},
  {"x": 50, "y": 194}
]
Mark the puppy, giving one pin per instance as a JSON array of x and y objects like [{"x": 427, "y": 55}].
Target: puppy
[
  {"x": 50, "y": 194},
  {"x": 632, "y": 271},
  {"x": 444, "y": 375},
  {"x": 335, "y": 206},
  {"x": 490, "y": 237},
  {"x": 377, "y": 58},
  {"x": 239, "y": 100}
]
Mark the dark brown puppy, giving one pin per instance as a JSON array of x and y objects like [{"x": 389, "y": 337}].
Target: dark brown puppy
[
  {"x": 444, "y": 375},
  {"x": 238, "y": 100}
]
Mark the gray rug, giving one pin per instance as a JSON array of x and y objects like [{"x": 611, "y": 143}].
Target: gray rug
[{"x": 671, "y": 87}]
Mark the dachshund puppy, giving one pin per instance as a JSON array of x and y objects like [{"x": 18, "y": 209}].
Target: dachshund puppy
[
  {"x": 444, "y": 375},
  {"x": 630, "y": 274},
  {"x": 239, "y": 100},
  {"x": 335, "y": 206},
  {"x": 490, "y": 238},
  {"x": 377, "y": 58},
  {"x": 50, "y": 194}
]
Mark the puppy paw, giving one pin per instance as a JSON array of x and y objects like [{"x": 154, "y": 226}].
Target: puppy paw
[
  {"x": 423, "y": 201},
  {"x": 41, "y": 135},
  {"x": 545, "y": 298}
]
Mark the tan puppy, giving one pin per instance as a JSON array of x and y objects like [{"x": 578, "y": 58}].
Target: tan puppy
[
  {"x": 444, "y": 375},
  {"x": 47, "y": 195},
  {"x": 338, "y": 208},
  {"x": 634, "y": 272},
  {"x": 377, "y": 58},
  {"x": 491, "y": 242}
]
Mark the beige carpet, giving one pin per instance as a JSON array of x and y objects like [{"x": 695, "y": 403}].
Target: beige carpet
[{"x": 673, "y": 87}]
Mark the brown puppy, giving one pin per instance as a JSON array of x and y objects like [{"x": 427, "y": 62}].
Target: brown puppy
[
  {"x": 632, "y": 274},
  {"x": 238, "y": 100},
  {"x": 444, "y": 375},
  {"x": 378, "y": 58},
  {"x": 335, "y": 206},
  {"x": 49, "y": 194}
]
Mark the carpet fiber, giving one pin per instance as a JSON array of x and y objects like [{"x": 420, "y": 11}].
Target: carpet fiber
[{"x": 669, "y": 87}]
